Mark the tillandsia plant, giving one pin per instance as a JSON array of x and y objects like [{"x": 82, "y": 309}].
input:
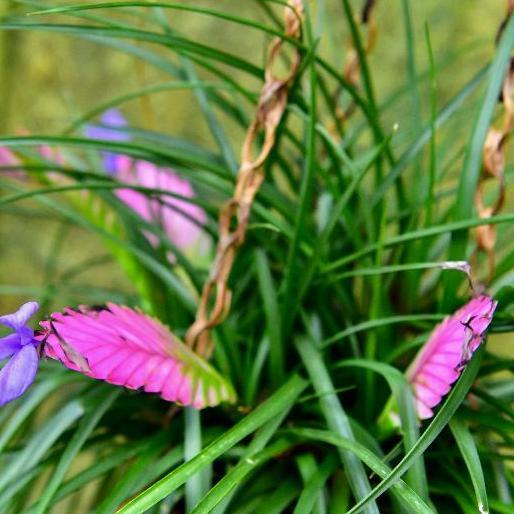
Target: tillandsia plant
[{"x": 264, "y": 290}]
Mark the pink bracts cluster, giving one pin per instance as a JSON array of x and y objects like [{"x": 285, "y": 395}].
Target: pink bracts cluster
[
  {"x": 126, "y": 347},
  {"x": 180, "y": 219},
  {"x": 7, "y": 158},
  {"x": 448, "y": 349}
]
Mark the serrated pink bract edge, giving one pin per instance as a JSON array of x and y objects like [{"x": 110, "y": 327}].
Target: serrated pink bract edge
[
  {"x": 450, "y": 346},
  {"x": 128, "y": 348}
]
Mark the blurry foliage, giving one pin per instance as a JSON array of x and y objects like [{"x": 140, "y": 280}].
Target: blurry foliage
[{"x": 48, "y": 80}]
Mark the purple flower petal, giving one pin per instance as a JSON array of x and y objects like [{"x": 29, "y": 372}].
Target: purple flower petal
[
  {"x": 109, "y": 130},
  {"x": 9, "y": 345},
  {"x": 110, "y": 163},
  {"x": 114, "y": 118},
  {"x": 18, "y": 319},
  {"x": 18, "y": 374},
  {"x": 111, "y": 122}
]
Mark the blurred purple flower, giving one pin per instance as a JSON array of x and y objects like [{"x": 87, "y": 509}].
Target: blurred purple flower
[
  {"x": 447, "y": 351},
  {"x": 109, "y": 130},
  {"x": 19, "y": 373}
]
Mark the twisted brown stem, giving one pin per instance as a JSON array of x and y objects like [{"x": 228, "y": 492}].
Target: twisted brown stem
[{"x": 235, "y": 214}]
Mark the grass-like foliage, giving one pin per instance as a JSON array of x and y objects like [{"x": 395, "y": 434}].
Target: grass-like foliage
[{"x": 355, "y": 249}]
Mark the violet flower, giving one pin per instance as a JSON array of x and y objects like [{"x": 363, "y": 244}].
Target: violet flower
[
  {"x": 21, "y": 346},
  {"x": 111, "y": 122},
  {"x": 449, "y": 348}
]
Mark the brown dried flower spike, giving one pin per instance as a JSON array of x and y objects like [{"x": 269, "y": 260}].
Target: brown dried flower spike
[
  {"x": 215, "y": 300},
  {"x": 494, "y": 164},
  {"x": 494, "y": 169}
]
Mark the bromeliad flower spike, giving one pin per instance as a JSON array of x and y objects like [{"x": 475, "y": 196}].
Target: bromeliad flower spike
[
  {"x": 126, "y": 347},
  {"x": 447, "y": 351},
  {"x": 21, "y": 346},
  {"x": 180, "y": 219}
]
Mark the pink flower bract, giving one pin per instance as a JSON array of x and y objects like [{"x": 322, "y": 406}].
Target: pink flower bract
[
  {"x": 126, "y": 347},
  {"x": 7, "y": 158},
  {"x": 448, "y": 349},
  {"x": 181, "y": 220}
]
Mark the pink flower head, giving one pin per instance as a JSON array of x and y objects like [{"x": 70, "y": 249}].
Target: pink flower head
[
  {"x": 125, "y": 347},
  {"x": 180, "y": 219},
  {"x": 52, "y": 154},
  {"x": 7, "y": 157},
  {"x": 447, "y": 351}
]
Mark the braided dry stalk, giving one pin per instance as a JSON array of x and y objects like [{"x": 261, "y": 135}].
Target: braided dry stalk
[
  {"x": 235, "y": 214},
  {"x": 351, "y": 69},
  {"x": 494, "y": 166}
]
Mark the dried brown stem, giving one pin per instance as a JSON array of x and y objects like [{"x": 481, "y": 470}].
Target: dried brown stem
[
  {"x": 234, "y": 216},
  {"x": 494, "y": 167},
  {"x": 351, "y": 71}
]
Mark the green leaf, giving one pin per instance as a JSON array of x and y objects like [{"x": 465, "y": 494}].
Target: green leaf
[
  {"x": 420, "y": 234},
  {"x": 238, "y": 474},
  {"x": 142, "y": 471},
  {"x": 400, "y": 488},
  {"x": 474, "y": 154},
  {"x": 218, "y": 498},
  {"x": 84, "y": 430},
  {"x": 293, "y": 264},
  {"x": 175, "y": 43},
  {"x": 404, "y": 399},
  {"x": 314, "y": 486},
  {"x": 377, "y": 323},
  {"x": 30, "y": 402},
  {"x": 414, "y": 150},
  {"x": 116, "y": 459},
  {"x": 278, "y": 501},
  {"x": 335, "y": 417},
  {"x": 198, "y": 484},
  {"x": 442, "y": 418},
  {"x": 283, "y": 398},
  {"x": 97, "y": 217},
  {"x": 36, "y": 446},
  {"x": 166, "y": 5},
  {"x": 469, "y": 452},
  {"x": 273, "y": 319}
]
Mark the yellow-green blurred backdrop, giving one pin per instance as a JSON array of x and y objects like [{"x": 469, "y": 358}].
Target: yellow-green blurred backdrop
[{"x": 47, "y": 80}]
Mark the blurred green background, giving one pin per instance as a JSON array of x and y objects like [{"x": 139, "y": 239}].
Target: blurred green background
[{"x": 49, "y": 79}]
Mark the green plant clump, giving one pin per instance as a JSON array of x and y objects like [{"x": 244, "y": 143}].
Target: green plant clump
[{"x": 370, "y": 223}]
